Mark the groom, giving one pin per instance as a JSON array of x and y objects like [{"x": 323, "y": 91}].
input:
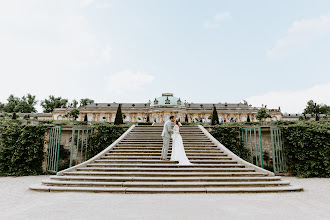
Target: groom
[{"x": 166, "y": 134}]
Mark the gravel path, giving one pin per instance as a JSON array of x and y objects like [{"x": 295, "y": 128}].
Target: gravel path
[{"x": 17, "y": 202}]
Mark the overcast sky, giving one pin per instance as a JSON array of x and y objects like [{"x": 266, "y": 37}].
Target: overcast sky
[{"x": 266, "y": 52}]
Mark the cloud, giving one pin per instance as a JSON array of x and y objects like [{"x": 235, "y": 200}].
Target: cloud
[
  {"x": 85, "y": 3},
  {"x": 217, "y": 20},
  {"x": 293, "y": 101},
  {"x": 299, "y": 34},
  {"x": 128, "y": 81}
]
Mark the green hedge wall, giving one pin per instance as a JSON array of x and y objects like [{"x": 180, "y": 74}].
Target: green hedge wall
[
  {"x": 307, "y": 146},
  {"x": 106, "y": 134},
  {"x": 22, "y": 150},
  {"x": 230, "y": 138}
]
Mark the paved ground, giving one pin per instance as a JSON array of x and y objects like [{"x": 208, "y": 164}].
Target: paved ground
[{"x": 17, "y": 202}]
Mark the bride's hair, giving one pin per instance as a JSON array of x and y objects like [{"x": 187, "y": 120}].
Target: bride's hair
[{"x": 177, "y": 122}]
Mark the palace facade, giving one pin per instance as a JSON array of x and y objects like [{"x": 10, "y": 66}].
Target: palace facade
[{"x": 161, "y": 108}]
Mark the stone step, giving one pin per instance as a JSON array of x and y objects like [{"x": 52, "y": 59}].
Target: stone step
[
  {"x": 196, "y": 162},
  {"x": 187, "y": 148},
  {"x": 161, "y": 144},
  {"x": 163, "y": 174},
  {"x": 161, "y": 141},
  {"x": 159, "y": 154},
  {"x": 120, "y": 150},
  {"x": 159, "y": 169},
  {"x": 166, "y": 179},
  {"x": 168, "y": 190},
  {"x": 164, "y": 184},
  {"x": 168, "y": 157},
  {"x": 153, "y": 165}
]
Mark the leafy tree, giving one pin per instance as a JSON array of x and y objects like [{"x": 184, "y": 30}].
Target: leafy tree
[
  {"x": 86, "y": 101},
  {"x": 119, "y": 116},
  {"x": 215, "y": 118},
  {"x": 2, "y": 106},
  {"x": 74, "y": 103},
  {"x": 316, "y": 109},
  {"x": 53, "y": 102},
  {"x": 245, "y": 102},
  {"x": 74, "y": 113},
  {"x": 24, "y": 105},
  {"x": 262, "y": 114}
]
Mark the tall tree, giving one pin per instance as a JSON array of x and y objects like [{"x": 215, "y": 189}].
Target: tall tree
[
  {"x": 215, "y": 117},
  {"x": 186, "y": 118},
  {"x": 26, "y": 104},
  {"x": 53, "y": 102},
  {"x": 262, "y": 114},
  {"x": 74, "y": 113},
  {"x": 119, "y": 116},
  {"x": 248, "y": 119},
  {"x": 315, "y": 109},
  {"x": 85, "y": 118},
  {"x": 86, "y": 101},
  {"x": 148, "y": 119},
  {"x": 74, "y": 103},
  {"x": 2, "y": 106}
]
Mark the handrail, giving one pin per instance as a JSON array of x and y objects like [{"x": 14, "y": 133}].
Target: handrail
[
  {"x": 98, "y": 156},
  {"x": 232, "y": 155}
]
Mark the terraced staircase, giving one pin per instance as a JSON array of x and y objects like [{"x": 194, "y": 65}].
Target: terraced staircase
[{"x": 132, "y": 165}]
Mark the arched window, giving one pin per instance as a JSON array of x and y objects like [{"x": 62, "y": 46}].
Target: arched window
[
  {"x": 243, "y": 118},
  {"x": 89, "y": 118},
  {"x": 155, "y": 118},
  {"x": 127, "y": 118},
  {"x": 113, "y": 118},
  {"x": 274, "y": 119},
  {"x": 60, "y": 118},
  {"x": 102, "y": 118}
]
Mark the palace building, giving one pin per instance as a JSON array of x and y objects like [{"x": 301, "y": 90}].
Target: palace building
[{"x": 161, "y": 108}]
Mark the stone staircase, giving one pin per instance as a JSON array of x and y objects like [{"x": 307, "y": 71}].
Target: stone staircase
[{"x": 132, "y": 165}]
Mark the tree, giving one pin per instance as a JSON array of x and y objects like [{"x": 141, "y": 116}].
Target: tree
[
  {"x": 119, "y": 116},
  {"x": 2, "y": 106},
  {"x": 316, "y": 109},
  {"x": 14, "y": 116},
  {"x": 86, "y": 101},
  {"x": 245, "y": 102},
  {"x": 74, "y": 113},
  {"x": 148, "y": 119},
  {"x": 24, "y": 105},
  {"x": 85, "y": 119},
  {"x": 262, "y": 114},
  {"x": 74, "y": 103},
  {"x": 215, "y": 118},
  {"x": 248, "y": 119},
  {"x": 53, "y": 102},
  {"x": 186, "y": 118}
]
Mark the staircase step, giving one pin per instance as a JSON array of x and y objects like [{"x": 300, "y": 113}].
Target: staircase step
[
  {"x": 196, "y": 162},
  {"x": 119, "y": 150},
  {"x": 165, "y": 179},
  {"x": 163, "y": 174},
  {"x": 165, "y": 165},
  {"x": 164, "y": 184},
  {"x": 160, "y": 169},
  {"x": 167, "y": 190},
  {"x": 158, "y": 157},
  {"x": 159, "y": 154}
]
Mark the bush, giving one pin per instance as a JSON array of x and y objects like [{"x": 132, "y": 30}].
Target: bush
[
  {"x": 22, "y": 150},
  {"x": 230, "y": 138},
  {"x": 104, "y": 136},
  {"x": 307, "y": 146}
]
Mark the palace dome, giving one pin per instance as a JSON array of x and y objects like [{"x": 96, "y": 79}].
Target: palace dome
[{"x": 167, "y": 99}]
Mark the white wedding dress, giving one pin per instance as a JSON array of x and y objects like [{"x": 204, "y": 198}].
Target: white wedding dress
[{"x": 178, "y": 152}]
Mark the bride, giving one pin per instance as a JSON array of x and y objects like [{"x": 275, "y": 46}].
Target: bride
[{"x": 178, "y": 152}]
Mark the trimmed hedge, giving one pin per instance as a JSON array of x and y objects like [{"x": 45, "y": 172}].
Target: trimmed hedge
[
  {"x": 307, "y": 146},
  {"x": 22, "y": 150},
  {"x": 104, "y": 136},
  {"x": 230, "y": 138}
]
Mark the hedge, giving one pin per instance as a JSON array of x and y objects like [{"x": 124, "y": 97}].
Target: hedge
[
  {"x": 22, "y": 150},
  {"x": 230, "y": 138},
  {"x": 307, "y": 146}
]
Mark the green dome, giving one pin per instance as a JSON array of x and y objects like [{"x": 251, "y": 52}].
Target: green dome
[{"x": 167, "y": 99}]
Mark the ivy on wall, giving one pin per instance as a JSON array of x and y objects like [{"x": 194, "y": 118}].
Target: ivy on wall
[
  {"x": 22, "y": 150},
  {"x": 230, "y": 138},
  {"x": 307, "y": 146},
  {"x": 105, "y": 135}
]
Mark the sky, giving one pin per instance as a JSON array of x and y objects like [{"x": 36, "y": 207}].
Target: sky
[{"x": 275, "y": 53}]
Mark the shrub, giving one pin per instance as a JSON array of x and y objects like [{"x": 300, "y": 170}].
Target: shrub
[
  {"x": 230, "y": 138},
  {"x": 106, "y": 134},
  {"x": 22, "y": 150},
  {"x": 307, "y": 146}
]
